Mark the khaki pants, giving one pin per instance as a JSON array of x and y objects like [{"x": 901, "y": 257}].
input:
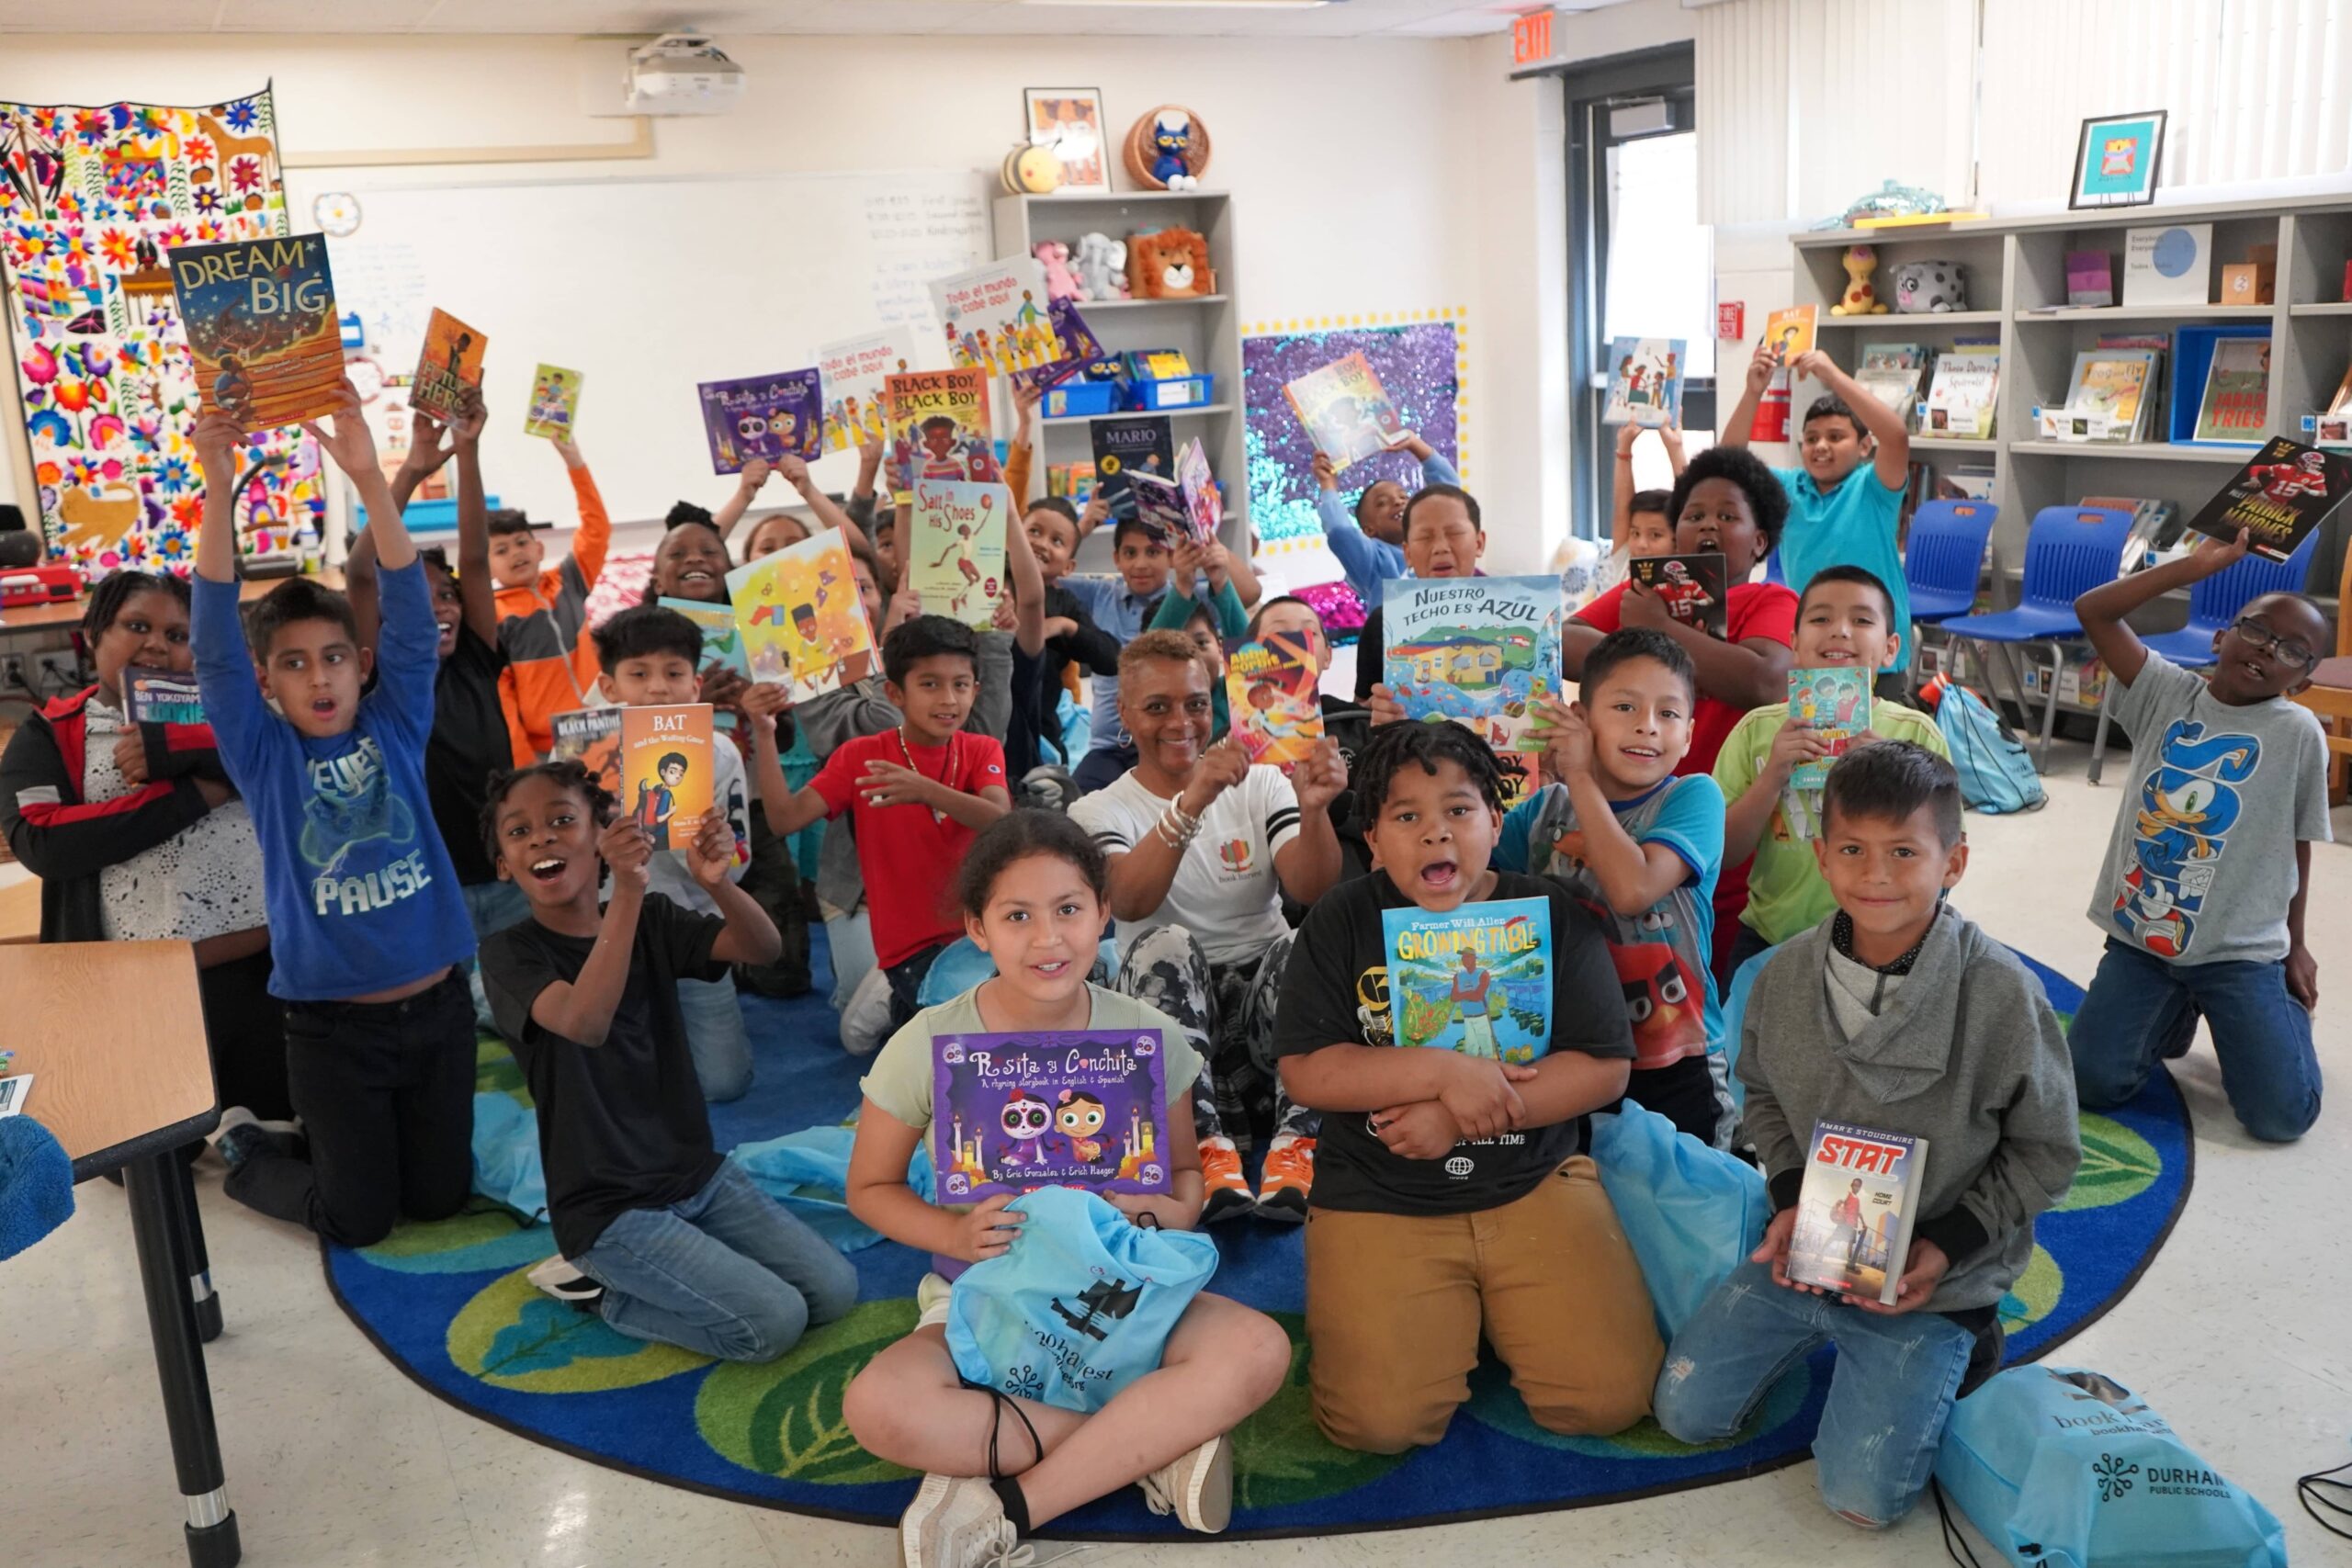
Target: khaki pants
[{"x": 1396, "y": 1303}]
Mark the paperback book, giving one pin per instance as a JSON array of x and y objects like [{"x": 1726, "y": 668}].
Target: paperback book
[
  {"x": 667, "y": 772},
  {"x": 995, "y": 317},
  {"x": 853, "y": 370},
  {"x": 592, "y": 737},
  {"x": 1856, "y": 1211},
  {"x": 1203, "y": 505},
  {"x": 450, "y": 367},
  {"x": 1834, "y": 703},
  {"x": 260, "y": 319},
  {"x": 1072, "y": 482},
  {"x": 1896, "y": 375},
  {"x": 2237, "y": 390},
  {"x": 2287, "y": 491},
  {"x": 158, "y": 697},
  {"x": 2109, "y": 393},
  {"x": 955, "y": 559},
  {"x": 939, "y": 427},
  {"x": 1271, "y": 691},
  {"x": 555, "y": 403},
  {"x": 1696, "y": 589},
  {"x": 1476, "y": 979},
  {"x": 1078, "y": 345},
  {"x": 1014, "y": 1113},
  {"x": 1158, "y": 505},
  {"x": 769, "y": 417},
  {"x": 1477, "y": 648},
  {"x": 1144, "y": 444},
  {"x": 722, "y": 639},
  {"x": 1791, "y": 331},
  {"x": 1960, "y": 396},
  {"x": 803, "y": 623},
  {"x": 1347, "y": 412},
  {"x": 1646, "y": 380}
]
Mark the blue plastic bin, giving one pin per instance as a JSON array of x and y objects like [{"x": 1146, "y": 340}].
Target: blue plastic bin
[
  {"x": 2192, "y": 356},
  {"x": 1081, "y": 399},
  {"x": 1175, "y": 392}
]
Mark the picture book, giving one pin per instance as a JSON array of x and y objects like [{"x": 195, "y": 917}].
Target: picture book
[
  {"x": 1696, "y": 589},
  {"x": 1072, "y": 482},
  {"x": 939, "y": 427},
  {"x": 1897, "y": 387},
  {"x": 2237, "y": 390},
  {"x": 1646, "y": 380},
  {"x": 1895, "y": 356},
  {"x": 1203, "y": 505},
  {"x": 667, "y": 771},
  {"x": 2287, "y": 491},
  {"x": 1960, "y": 396},
  {"x": 449, "y": 366},
  {"x": 1791, "y": 331},
  {"x": 2109, "y": 387},
  {"x": 803, "y": 622},
  {"x": 851, "y": 370},
  {"x": 1010, "y": 1113},
  {"x": 1476, "y": 979},
  {"x": 1158, "y": 504},
  {"x": 722, "y": 639},
  {"x": 1079, "y": 348},
  {"x": 1142, "y": 445},
  {"x": 260, "y": 318},
  {"x": 1347, "y": 412},
  {"x": 1835, "y": 702},
  {"x": 555, "y": 401},
  {"x": 1856, "y": 1211},
  {"x": 1269, "y": 689},
  {"x": 1153, "y": 364},
  {"x": 1475, "y": 649},
  {"x": 158, "y": 697},
  {"x": 763, "y": 416},
  {"x": 955, "y": 556},
  {"x": 2090, "y": 279},
  {"x": 14, "y": 1092},
  {"x": 995, "y": 317},
  {"x": 592, "y": 737}
]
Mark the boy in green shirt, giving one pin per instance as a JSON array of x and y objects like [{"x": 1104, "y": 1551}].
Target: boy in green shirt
[{"x": 1845, "y": 619}]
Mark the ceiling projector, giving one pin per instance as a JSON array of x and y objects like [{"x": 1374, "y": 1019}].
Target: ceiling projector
[{"x": 681, "y": 73}]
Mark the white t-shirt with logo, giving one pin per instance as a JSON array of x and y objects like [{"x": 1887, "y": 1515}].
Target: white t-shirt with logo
[{"x": 1224, "y": 892}]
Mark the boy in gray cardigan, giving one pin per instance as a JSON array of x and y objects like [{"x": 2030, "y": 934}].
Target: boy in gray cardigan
[{"x": 1898, "y": 1015}]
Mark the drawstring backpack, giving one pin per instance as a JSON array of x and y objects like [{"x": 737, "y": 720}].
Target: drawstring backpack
[{"x": 1997, "y": 775}]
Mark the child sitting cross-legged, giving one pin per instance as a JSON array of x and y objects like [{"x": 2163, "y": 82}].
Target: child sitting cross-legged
[
  {"x": 1452, "y": 1195},
  {"x": 1895, "y": 1015},
  {"x": 1033, "y": 891},
  {"x": 676, "y": 1243}
]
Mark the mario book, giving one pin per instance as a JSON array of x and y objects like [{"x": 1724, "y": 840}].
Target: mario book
[
  {"x": 260, "y": 319},
  {"x": 939, "y": 428},
  {"x": 1835, "y": 704},
  {"x": 764, "y": 416},
  {"x": 1144, "y": 444},
  {"x": 955, "y": 549},
  {"x": 1856, "y": 1211},
  {"x": 1693, "y": 587},
  {"x": 666, "y": 772},
  {"x": 1270, "y": 688},
  {"x": 1077, "y": 1108},
  {"x": 2287, "y": 491},
  {"x": 802, "y": 620},
  {"x": 1476, "y": 979},
  {"x": 448, "y": 366}
]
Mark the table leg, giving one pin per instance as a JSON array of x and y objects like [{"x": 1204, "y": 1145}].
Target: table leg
[
  {"x": 154, "y": 1187},
  {"x": 200, "y": 1262}
]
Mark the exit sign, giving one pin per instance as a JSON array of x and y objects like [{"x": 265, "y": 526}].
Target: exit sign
[{"x": 1530, "y": 37}]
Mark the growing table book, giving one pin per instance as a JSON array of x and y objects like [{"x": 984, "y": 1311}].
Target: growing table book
[
  {"x": 1474, "y": 648},
  {"x": 1696, "y": 589},
  {"x": 1347, "y": 412},
  {"x": 1010, "y": 1113},
  {"x": 159, "y": 696},
  {"x": 802, "y": 620},
  {"x": 772, "y": 417},
  {"x": 1834, "y": 703},
  {"x": 448, "y": 368},
  {"x": 1856, "y": 1211},
  {"x": 1144, "y": 444},
  {"x": 592, "y": 737},
  {"x": 1476, "y": 979},
  {"x": 260, "y": 319},
  {"x": 1646, "y": 380},
  {"x": 555, "y": 403},
  {"x": 722, "y": 639},
  {"x": 2287, "y": 491},
  {"x": 853, "y": 370},
  {"x": 1791, "y": 331},
  {"x": 2237, "y": 390},
  {"x": 996, "y": 317},
  {"x": 667, "y": 771},
  {"x": 955, "y": 556},
  {"x": 939, "y": 427},
  {"x": 1269, "y": 689}
]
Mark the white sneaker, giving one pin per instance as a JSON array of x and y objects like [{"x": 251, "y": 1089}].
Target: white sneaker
[
  {"x": 1197, "y": 1487},
  {"x": 560, "y": 1278},
  {"x": 957, "y": 1521}
]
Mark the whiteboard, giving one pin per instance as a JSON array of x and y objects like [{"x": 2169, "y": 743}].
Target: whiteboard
[{"x": 646, "y": 286}]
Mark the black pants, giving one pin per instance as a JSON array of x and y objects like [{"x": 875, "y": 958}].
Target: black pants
[
  {"x": 773, "y": 882},
  {"x": 1100, "y": 769},
  {"x": 246, "y": 1028},
  {"x": 1684, "y": 1093},
  {"x": 386, "y": 1094},
  {"x": 906, "y": 984}
]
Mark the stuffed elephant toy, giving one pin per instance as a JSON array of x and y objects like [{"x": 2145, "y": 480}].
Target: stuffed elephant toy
[{"x": 1101, "y": 263}]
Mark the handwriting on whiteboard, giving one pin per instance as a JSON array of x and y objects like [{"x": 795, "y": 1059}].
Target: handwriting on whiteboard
[{"x": 913, "y": 236}]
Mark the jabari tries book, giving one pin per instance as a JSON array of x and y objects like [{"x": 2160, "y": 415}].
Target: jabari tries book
[{"x": 1080, "y": 1107}]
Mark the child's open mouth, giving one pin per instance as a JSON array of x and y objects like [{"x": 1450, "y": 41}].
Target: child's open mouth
[
  {"x": 1836, "y": 656},
  {"x": 546, "y": 870},
  {"x": 323, "y": 707},
  {"x": 1441, "y": 875},
  {"x": 1639, "y": 754},
  {"x": 696, "y": 578},
  {"x": 1051, "y": 969}
]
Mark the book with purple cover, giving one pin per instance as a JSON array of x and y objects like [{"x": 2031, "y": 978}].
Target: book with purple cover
[
  {"x": 1079, "y": 1107},
  {"x": 764, "y": 416}
]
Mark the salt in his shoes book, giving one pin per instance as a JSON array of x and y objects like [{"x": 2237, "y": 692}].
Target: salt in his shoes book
[
  {"x": 260, "y": 320},
  {"x": 448, "y": 368},
  {"x": 1475, "y": 649},
  {"x": 1695, "y": 588},
  {"x": 667, "y": 772},
  {"x": 1347, "y": 412},
  {"x": 592, "y": 737},
  {"x": 803, "y": 623},
  {"x": 939, "y": 427},
  {"x": 956, "y": 555},
  {"x": 1077, "y": 1108},
  {"x": 2287, "y": 491},
  {"x": 1270, "y": 688},
  {"x": 1476, "y": 979},
  {"x": 1835, "y": 702},
  {"x": 159, "y": 696},
  {"x": 853, "y": 370},
  {"x": 1856, "y": 1211},
  {"x": 763, "y": 416},
  {"x": 1646, "y": 380},
  {"x": 555, "y": 403}
]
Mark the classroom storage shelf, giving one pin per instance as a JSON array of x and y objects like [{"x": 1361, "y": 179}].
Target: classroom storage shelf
[{"x": 1199, "y": 411}]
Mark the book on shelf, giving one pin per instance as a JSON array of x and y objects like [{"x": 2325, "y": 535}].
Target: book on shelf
[
  {"x": 939, "y": 427},
  {"x": 1143, "y": 444},
  {"x": 1271, "y": 691},
  {"x": 1960, "y": 397},
  {"x": 555, "y": 403},
  {"x": 1348, "y": 414},
  {"x": 722, "y": 639},
  {"x": 1964, "y": 481},
  {"x": 2237, "y": 390},
  {"x": 2169, "y": 264},
  {"x": 1476, "y": 980},
  {"x": 1646, "y": 380},
  {"x": 1153, "y": 364},
  {"x": 803, "y": 622},
  {"x": 592, "y": 737},
  {"x": 1696, "y": 588},
  {"x": 260, "y": 318},
  {"x": 667, "y": 772},
  {"x": 1074, "y": 482},
  {"x": 2280, "y": 496},
  {"x": 1857, "y": 1208},
  {"x": 448, "y": 367},
  {"x": 1479, "y": 649},
  {"x": 2155, "y": 524},
  {"x": 996, "y": 317},
  {"x": 2090, "y": 278},
  {"x": 1054, "y": 1108},
  {"x": 767, "y": 417},
  {"x": 955, "y": 556},
  {"x": 853, "y": 370},
  {"x": 159, "y": 696},
  {"x": 1896, "y": 375},
  {"x": 2108, "y": 396},
  {"x": 1833, "y": 702},
  {"x": 1791, "y": 331}
]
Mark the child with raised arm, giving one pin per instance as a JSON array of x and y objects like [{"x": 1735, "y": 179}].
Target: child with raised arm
[
  {"x": 1638, "y": 521},
  {"x": 1032, "y": 894},
  {"x": 2199, "y": 914},
  {"x": 367, "y": 925},
  {"x": 1370, "y": 540},
  {"x": 548, "y": 606}
]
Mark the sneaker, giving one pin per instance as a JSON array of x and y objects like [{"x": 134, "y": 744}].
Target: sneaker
[
  {"x": 1196, "y": 1487},
  {"x": 242, "y": 1132},
  {"x": 1228, "y": 1189},
  {"x": 1288, "y": 1176},
  {"x": 957, "y": 1521},
  {"x": 558, "y": 1277}
]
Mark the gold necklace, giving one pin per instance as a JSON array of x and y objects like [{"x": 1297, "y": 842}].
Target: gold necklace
[{"x": 947, "y": 771}]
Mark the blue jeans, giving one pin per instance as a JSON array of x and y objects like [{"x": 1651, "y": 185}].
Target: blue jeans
[
  {"x": 727, "y": 1273},
  {"x": 716, "y": 1038},
  {"x": 2141, "y": 1009},
  {"x": 1889, "y": 1397},
  {"x": 493, "y": 906}
]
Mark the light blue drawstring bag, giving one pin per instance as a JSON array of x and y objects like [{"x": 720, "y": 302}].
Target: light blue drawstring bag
[
  {"x": 1692, "y": 1213},
  {"x": 1078, "y": 1306},
  {"x": 807, "y": 1172},
  {"x": 506, "y": 1156}
]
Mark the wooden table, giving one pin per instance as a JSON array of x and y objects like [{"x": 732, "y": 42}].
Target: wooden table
[
  {"x": 113, "y": 1033},
  {"x": 68, "y": 613},
  {"x": 20, "y": 911}
]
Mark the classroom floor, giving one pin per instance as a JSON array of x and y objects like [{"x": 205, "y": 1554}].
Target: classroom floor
[{"x": 334, "y": 1458}]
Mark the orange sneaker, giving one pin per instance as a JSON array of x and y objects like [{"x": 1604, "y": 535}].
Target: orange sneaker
[
  {"x": 1228, "y": 1192},
  {"x": 1289, "y": 1175}
]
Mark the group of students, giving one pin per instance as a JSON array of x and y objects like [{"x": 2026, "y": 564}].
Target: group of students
[{"x": 351, "y": 833}]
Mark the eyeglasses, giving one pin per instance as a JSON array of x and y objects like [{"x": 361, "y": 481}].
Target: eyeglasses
[{"x": 2286, "y": 649}]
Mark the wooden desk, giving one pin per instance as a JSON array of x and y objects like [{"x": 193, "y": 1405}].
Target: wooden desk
[
  {"x": 20, "y": 913},
  {"x": 38, "y": 617}
]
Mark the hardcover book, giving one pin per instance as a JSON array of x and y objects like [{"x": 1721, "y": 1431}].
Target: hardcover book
[
  {"x": 1476, "y": 979},
  {"x": 1014, "y": 1113},
  {"x": 1078, "y": 345},
  {"x": 592, "y": 737},
  {"x": 158, "y": 697},
  {"x": 2112, "y": 385},
  {"x": 803, "y": 622},
  {"x": 1792, "y": 331},
  {"x": 555, "y": 403},
  {"x": 1271, "y": 691},
  {"x": 1856, "y": 1211},
  {"x": 1696, "y": 589},
  {"x": 2090, "y": 278},
  {"x": 450, "y": 367},
  {"x": 2237, "y": 390},
  {"x": 1474, "y": 648},
  {"x": 995, "y": 317},
  {"x": 853, "y": 370},
  {"x": 939, "y": 427},
  {"x": 1646, "y": 380},
  {"x": 1835, "y": 702},
  {"x": 1347, "y": 412},
  {"x": 667, "y": 772},
  {"x": 260, "y": 319},
  {"x": 763, "y": 416},
  {"x": 2287, "y": 491},
  {"x": 1143, "y": 444},
  {"x": 955, "y": 556},
  {"x": 722, "y": 639},
  {"x": 1960, "y": 397}
]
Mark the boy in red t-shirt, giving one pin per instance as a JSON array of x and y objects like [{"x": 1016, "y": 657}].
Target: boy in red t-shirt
[{"x": 916, "y": 795}]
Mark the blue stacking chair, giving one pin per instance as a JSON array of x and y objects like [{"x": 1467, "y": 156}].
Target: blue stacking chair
[
  {"x": 1943, "y": 556},
  {"x": 2069, "y": 551},
  {"x": 1772, "y": 572},
  {"x": 2213, "y": 605}
]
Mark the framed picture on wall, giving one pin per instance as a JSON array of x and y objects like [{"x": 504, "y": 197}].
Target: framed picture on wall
[
  {"x": 1070, "y": 121},
  {"x": 2115, "y": 162}
]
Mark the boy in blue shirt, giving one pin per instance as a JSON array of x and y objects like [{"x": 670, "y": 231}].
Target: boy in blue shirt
[
  {"x": 1370, "y": 542},
  {"x": 1639, "y": 847},
  {"x": 367, "y": 924}
]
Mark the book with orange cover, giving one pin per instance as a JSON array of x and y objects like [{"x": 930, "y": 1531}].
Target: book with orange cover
[
  {"x": 450, "y": 365},
  {"x": 261, "y": 320},
  {"x": 666, "y": 772}
]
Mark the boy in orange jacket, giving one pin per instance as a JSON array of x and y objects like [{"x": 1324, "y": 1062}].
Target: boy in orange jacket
[{"x": 542, "y": 612}]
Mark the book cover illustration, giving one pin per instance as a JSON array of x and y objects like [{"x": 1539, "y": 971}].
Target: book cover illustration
[
  {"x": 1476, "y": 979},
  {"x": 853, "y": 370},
  {"x": 1475, "y": 649},
  {"x": 803, "y": 623},
  {"x": 1646, "y": 380},
  {"x": 996, "y": 319},
  {"x": 260, "y": 319},
  {"x": 1078, "y": 344},
  {"x": 939, "y": 427},
  {"x": 592, "y": 737},
  {"x": 722, "y": 639},
  {"x": 1158, "y": 505},
  {"x": 1836, "y": 702},
  {"x": 555, "y": 403},
  {"x": 1348, "y": 414},
  {"x": 450, "y": 367},
  {"x": 1697, "y": 589},
  {"x": 1960, "y": 397},
  {"x": 1856, "y": 1211},
  {"x": 1791, "y": 331},
  {"x": 159, "y": 696},
  {"x": 763, "y": 416},
  {"x": 1143, "y": 444},
  {"x": 667, "y": 772},
  {"x": 2112, "y": 384},
  {"x": 955, "y": 559},
  {"x": 1204, "y": 503},
  {"x": 1010, "y": 1113},
  {"x": 1271, "y": 691},
  {"x": 2287, "y": 491},
  {"x": 2237, "y": 390}
]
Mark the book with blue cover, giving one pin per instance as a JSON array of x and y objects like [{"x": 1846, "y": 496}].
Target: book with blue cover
[
  {"x": 1836, "y": 703},
  {"x": 1010, "y": 1113},
  {"x": 1475, "y": 649},
  {"x": 1476, "y": 979}
]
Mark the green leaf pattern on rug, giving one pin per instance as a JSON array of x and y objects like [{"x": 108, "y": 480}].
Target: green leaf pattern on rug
[
  {"x": 510, "y": 1336},
  {"x": 2035, "y": 1294},
  {"x": 1281, "y": 1457},
  {"x": 2118, "y": 1165},
  {"x": 488, "y": 1237},
  {"x": 495, "y": 1069},
  {"x": 1494, "y": 1403},
  {"x": 785, "y": 1418}
]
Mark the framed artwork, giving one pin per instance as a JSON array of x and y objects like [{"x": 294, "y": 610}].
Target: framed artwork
[
  {"x": 2115, "y": 162},
  {"x": 1070, "y": 121}
]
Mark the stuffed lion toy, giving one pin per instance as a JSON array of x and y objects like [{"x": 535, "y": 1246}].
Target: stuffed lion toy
[{"x": 1170, "y": 264}]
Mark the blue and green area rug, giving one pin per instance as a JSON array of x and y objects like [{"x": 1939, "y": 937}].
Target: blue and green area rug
[{"x": 449, "y": 1304}]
